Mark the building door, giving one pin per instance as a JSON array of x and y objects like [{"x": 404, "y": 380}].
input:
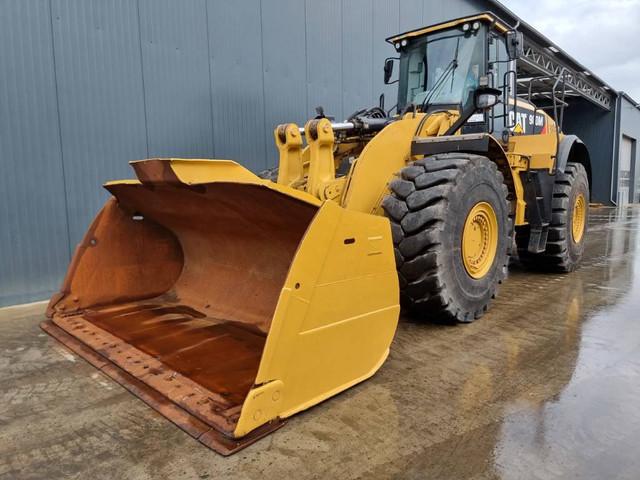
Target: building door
[{"x": 625, "y": 167}]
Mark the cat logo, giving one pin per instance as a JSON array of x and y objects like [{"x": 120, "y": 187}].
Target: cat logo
[
  {"x": 526, "y": 123},
  {"x": 518, "y": 129}
]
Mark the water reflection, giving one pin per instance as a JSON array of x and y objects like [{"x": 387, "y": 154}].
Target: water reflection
[
  {"x": 543, "y": 387},
  {"x": 592, "y": 427}
]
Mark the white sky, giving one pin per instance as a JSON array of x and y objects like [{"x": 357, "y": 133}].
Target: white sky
[{"x": 603, "y": 35}]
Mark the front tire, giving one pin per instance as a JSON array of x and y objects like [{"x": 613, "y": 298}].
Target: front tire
[{"x": 451, "y": 227}]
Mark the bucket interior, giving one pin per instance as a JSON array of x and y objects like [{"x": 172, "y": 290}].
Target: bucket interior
[{"x": 188, "y": 275}]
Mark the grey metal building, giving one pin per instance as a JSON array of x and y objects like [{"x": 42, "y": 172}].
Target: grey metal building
[{"x": 87, "y": 85}]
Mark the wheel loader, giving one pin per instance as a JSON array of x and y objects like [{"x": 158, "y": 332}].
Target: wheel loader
[{"x": 229, "y": 302}]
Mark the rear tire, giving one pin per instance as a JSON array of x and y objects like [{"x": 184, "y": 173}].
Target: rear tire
[
  {"x": 568, "y": 227},
  {"x": 429, "y": 209}
]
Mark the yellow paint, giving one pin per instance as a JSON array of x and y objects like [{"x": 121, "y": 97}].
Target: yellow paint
[
  {"x": 531, "y": 152},
  {"x": 539, "y": 148},
  {"x": 518, "y": 163},
  {"x": 193, "y": 172},
  {"x": 335, "y": 319},
  {"x": 501, "y": 27},
  {"x": 579, "y": 218},
  {"x": 333, "y": 190},
  {"x": 291, "y": 166},
  {"x": 121, "y": 182},
  {"x": 337, "y": 311},
  {"x": 322, "y": 168},
  {"x": 199, "y": 171},
  {"x": 386, "y": 154},
  {"x": 480, "y": 240},
  {"x": 263, "y": 403},
  {"x": 366, "y": 185}
]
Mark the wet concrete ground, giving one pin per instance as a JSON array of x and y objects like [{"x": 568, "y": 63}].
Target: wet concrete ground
[{"x": 547, "y": 385}]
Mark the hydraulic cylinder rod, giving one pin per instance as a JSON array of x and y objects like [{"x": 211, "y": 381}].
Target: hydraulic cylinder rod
[{"x": 337, "y": 127}]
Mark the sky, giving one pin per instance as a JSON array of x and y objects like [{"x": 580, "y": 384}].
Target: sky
[{"x": 603, "y": 35}]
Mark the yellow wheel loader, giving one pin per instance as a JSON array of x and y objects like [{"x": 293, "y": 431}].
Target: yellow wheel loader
[{"x": 229, "y": 302}]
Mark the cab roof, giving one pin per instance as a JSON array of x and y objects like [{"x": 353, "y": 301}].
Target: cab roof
[{"x": 487, "y": 17}]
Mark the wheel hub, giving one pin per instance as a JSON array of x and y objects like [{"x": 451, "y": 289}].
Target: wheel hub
[
  {"x": 579, "y": 218},
  {"x": 479, "y": 240}
]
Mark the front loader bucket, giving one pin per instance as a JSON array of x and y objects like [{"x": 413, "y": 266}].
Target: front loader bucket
[{"x": 227, "y": 302}]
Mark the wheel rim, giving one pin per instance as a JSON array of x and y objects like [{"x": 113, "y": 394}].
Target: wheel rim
[
  {"x": 579, "y": 218},
  {"x": 479, "y": 240}
]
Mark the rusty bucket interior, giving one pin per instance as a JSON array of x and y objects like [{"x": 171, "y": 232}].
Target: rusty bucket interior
[{"x": 176, "y": 286}]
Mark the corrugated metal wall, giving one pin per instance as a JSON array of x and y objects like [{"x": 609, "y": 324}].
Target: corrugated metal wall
[
  {"x": 602, "y": 132},
  {"x": 630, "y": 128},
  {"x": 595, "y": 127},
  {"x": 87, "y": 85}
]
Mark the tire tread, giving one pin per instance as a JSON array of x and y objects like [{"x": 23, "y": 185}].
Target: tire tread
[{"x": 417, "y": 214}]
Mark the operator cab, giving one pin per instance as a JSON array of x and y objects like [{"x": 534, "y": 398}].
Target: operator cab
[{"x": 448, "y": 65}]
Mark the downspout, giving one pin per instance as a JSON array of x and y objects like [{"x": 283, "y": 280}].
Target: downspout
[{"x": 616, "y": 145}]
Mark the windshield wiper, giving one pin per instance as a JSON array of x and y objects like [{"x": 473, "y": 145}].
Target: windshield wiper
[
  {"x": 453, "y": 75},
  {"x": 453, "y": 64},
  {"x": 451, "y": 68}
]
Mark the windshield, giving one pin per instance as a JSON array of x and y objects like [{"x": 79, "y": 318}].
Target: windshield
[{"x": 441, "y": 68}]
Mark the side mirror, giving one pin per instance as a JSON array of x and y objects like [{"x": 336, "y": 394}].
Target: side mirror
[
  {"x": 486, "y": 97},
  {"x": 515, "y": 44},
  {"x": 388, "y": 70}
]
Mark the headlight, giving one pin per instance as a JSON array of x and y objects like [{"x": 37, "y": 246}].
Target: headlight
[
  {"x": 476, "y": 25},
  {"x": 404, "y": 42},
  {"x": 465, "y": 27},
  {"x": 486, "y": 100}
]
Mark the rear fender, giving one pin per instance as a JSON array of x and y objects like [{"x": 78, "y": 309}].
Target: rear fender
[
  {"x": 479, "y": 143},
  {"x": 573, "y": 150}
]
